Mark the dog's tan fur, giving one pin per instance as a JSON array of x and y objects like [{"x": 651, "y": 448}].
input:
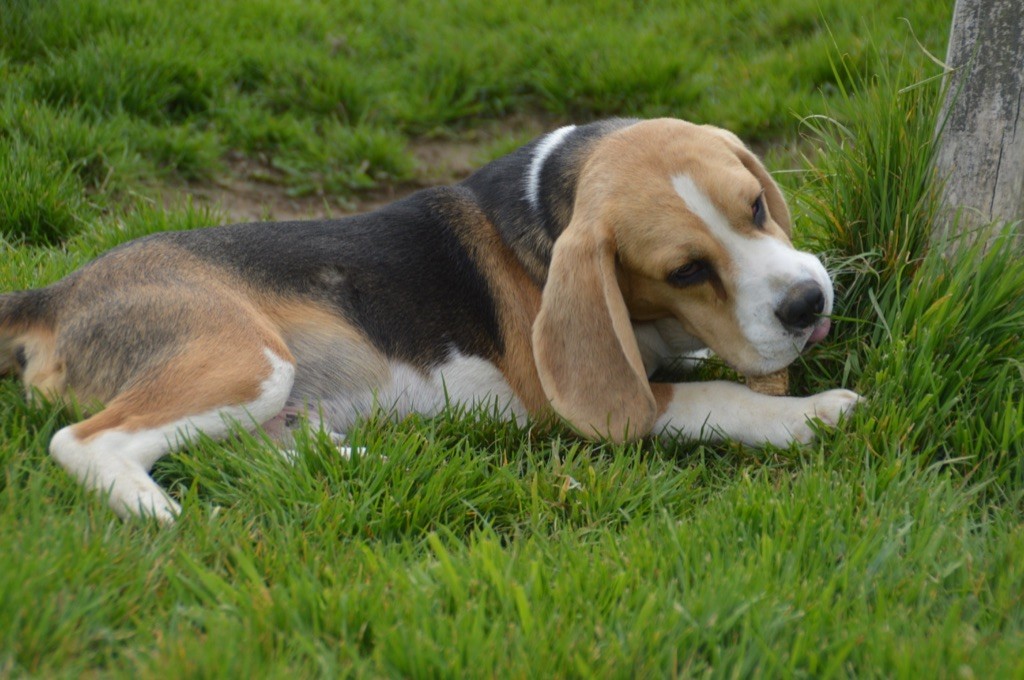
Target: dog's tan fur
[{"x": 517, "y": 297}]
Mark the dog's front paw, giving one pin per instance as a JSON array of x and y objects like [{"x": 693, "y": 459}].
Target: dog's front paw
[
  {"x": 828, "y": 407},
  {"x": 720, "y": 410}
]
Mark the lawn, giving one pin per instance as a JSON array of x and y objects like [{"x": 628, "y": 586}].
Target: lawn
[{"x": 462, "y": 545}]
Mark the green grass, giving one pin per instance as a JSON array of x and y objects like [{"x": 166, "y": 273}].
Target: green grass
[{"x": 463, "y": 546}]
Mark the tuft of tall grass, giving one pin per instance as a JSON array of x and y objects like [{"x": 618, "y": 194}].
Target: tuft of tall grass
[{"x": 933, "y": 340}]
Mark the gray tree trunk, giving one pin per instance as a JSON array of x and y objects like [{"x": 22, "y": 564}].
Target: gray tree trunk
[{"x": 981, "y": 151}]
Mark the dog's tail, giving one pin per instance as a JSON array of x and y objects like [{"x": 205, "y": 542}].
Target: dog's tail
[{"x": 20, "y": 313}]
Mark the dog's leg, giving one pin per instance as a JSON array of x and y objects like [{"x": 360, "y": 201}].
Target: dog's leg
[
  {"x": 722, "y": 410},
  {"x": 113, "y": 451}
]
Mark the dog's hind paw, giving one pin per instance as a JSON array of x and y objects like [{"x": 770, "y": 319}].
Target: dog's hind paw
[{"x": 146, "y": 502}]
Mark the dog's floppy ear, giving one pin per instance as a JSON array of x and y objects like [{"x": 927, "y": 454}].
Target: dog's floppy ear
[
  {"x": 777, "y": 207},
  {"x": 583, "y": 342}
]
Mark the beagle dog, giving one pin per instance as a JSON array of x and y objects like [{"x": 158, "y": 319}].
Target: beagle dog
[{"x": 553, "y": 280}]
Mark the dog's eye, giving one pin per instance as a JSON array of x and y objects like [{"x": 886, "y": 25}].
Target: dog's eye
[
  {"x": 690, "y": 274},
  {"x": 758, "y": 211}
]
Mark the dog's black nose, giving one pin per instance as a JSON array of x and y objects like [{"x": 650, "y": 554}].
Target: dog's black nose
[{"x": 801, "y": 306}]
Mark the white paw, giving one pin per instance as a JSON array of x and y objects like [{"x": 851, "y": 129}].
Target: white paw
[
  {"x": 289, "y": 455},
  {"x": 166, "y": 513},
  {"x": 340, "y": 443},
  {"x": 828, "y": 407},
  {"x": 154, "y": 504}
]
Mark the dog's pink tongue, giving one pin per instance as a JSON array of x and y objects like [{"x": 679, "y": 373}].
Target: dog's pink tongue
[{"x": 819, "y": 332}]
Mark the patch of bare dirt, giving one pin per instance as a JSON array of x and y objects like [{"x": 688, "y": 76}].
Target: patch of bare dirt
[{"x": 253, "y": 191}]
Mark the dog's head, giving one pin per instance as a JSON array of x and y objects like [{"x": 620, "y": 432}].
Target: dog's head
[{"x": 672, "y": 220}]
